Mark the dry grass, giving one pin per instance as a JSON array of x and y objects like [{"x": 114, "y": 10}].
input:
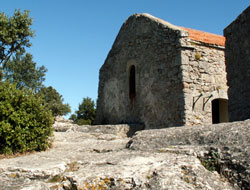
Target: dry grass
[
  {"x": 18, "y": 154},
  {"x": 7, "y": 156}
]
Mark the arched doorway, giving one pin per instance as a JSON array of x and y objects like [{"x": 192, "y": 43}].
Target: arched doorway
[{"x": 220, "y": 111}]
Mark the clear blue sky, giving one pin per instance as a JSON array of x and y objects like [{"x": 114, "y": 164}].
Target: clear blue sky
[{"x": 73, "y": 37}]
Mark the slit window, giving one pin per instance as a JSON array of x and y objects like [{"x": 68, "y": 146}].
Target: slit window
[{"x": 132, "y": 85}]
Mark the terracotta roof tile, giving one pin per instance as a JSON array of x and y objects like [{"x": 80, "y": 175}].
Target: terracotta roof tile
[{"x": 205, "y": 37}]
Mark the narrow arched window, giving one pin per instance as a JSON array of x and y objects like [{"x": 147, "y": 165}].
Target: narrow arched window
[{"x": 132, "y": 86}]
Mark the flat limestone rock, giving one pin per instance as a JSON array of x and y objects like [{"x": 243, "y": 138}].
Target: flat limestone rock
[
  {"x": 223, "y": 134},
  {"x": 226, "y": 144},
  {"x": 107, "y": 159}
]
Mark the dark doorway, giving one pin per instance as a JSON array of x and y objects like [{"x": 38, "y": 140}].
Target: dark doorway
[
  {"x": 132, "y": 85},
  {"x": 215, "y": 111},
  {"x": 219, "y": 111}
]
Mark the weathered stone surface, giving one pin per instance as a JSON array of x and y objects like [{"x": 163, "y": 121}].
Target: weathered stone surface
[
  {"x": 238, "y": 67},
  {"x": 172, "y": 66},
  {"x": 224, "y": 134},
  {"x": 99, "y": 159},
  {"x": 228, "y": 142}
]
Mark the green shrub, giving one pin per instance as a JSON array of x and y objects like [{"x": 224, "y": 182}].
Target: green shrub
[
  {"x": 25, "y": 123},
  {"x": 83, "y": 122}
]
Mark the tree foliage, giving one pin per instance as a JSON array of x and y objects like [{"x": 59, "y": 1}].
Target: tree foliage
[
  {"x": 25, "y": 122},
  {"x": 25, "y": 117},
  {"x": 85, "y": 114},
  {"x": 15, "y": 33},
  {"x": 23, "y": 71},
  {"x": 54, "y": 101}
]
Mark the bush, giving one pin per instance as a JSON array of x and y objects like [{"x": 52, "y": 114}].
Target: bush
[
  {"x": 25, "y": 124},
  {"x": 80, "y": 121}
]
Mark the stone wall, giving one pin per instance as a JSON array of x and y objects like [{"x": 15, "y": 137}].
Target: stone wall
[
  {"x": 204, "y": 79},
  {"x": 238, "y": 66},
  {"x": 154, "y": 49}
]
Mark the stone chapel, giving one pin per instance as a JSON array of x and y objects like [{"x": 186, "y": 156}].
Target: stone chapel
[{"x": 162, "y": 75}]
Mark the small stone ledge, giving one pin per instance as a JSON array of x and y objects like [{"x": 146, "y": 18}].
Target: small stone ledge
[{"x": 122, "y": 130}]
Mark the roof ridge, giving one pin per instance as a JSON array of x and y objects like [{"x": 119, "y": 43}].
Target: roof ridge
[{"x": 196, "y": 35}]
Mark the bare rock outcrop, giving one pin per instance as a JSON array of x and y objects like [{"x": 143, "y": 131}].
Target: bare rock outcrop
[
  {"x": 226, "y": 146},
  {"x": 104, "y": 157}
]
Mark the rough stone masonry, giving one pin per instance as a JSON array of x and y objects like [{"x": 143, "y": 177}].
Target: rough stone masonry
[
  {"x": 238, "y": 66},
  {"x": 161, "y": 75}
]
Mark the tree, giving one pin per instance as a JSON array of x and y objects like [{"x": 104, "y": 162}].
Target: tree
[
  {"x": 85, "y": 114},
  {"x": 23, "y": 71},
  {"x": 73, "y": 117},
  {"x": 15, "y": 33},
  {"x": 54, "y": 101},
  {"x": 25, "y": 120}
]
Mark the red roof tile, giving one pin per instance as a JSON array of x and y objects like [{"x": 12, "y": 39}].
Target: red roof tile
[{"x": 205, "y": 37}]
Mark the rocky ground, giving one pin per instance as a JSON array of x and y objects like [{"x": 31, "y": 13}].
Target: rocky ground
[{"x": 104, "y": 157}]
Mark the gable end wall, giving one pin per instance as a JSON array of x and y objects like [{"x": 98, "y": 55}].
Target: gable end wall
[{"x": 154, "y": 49}]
